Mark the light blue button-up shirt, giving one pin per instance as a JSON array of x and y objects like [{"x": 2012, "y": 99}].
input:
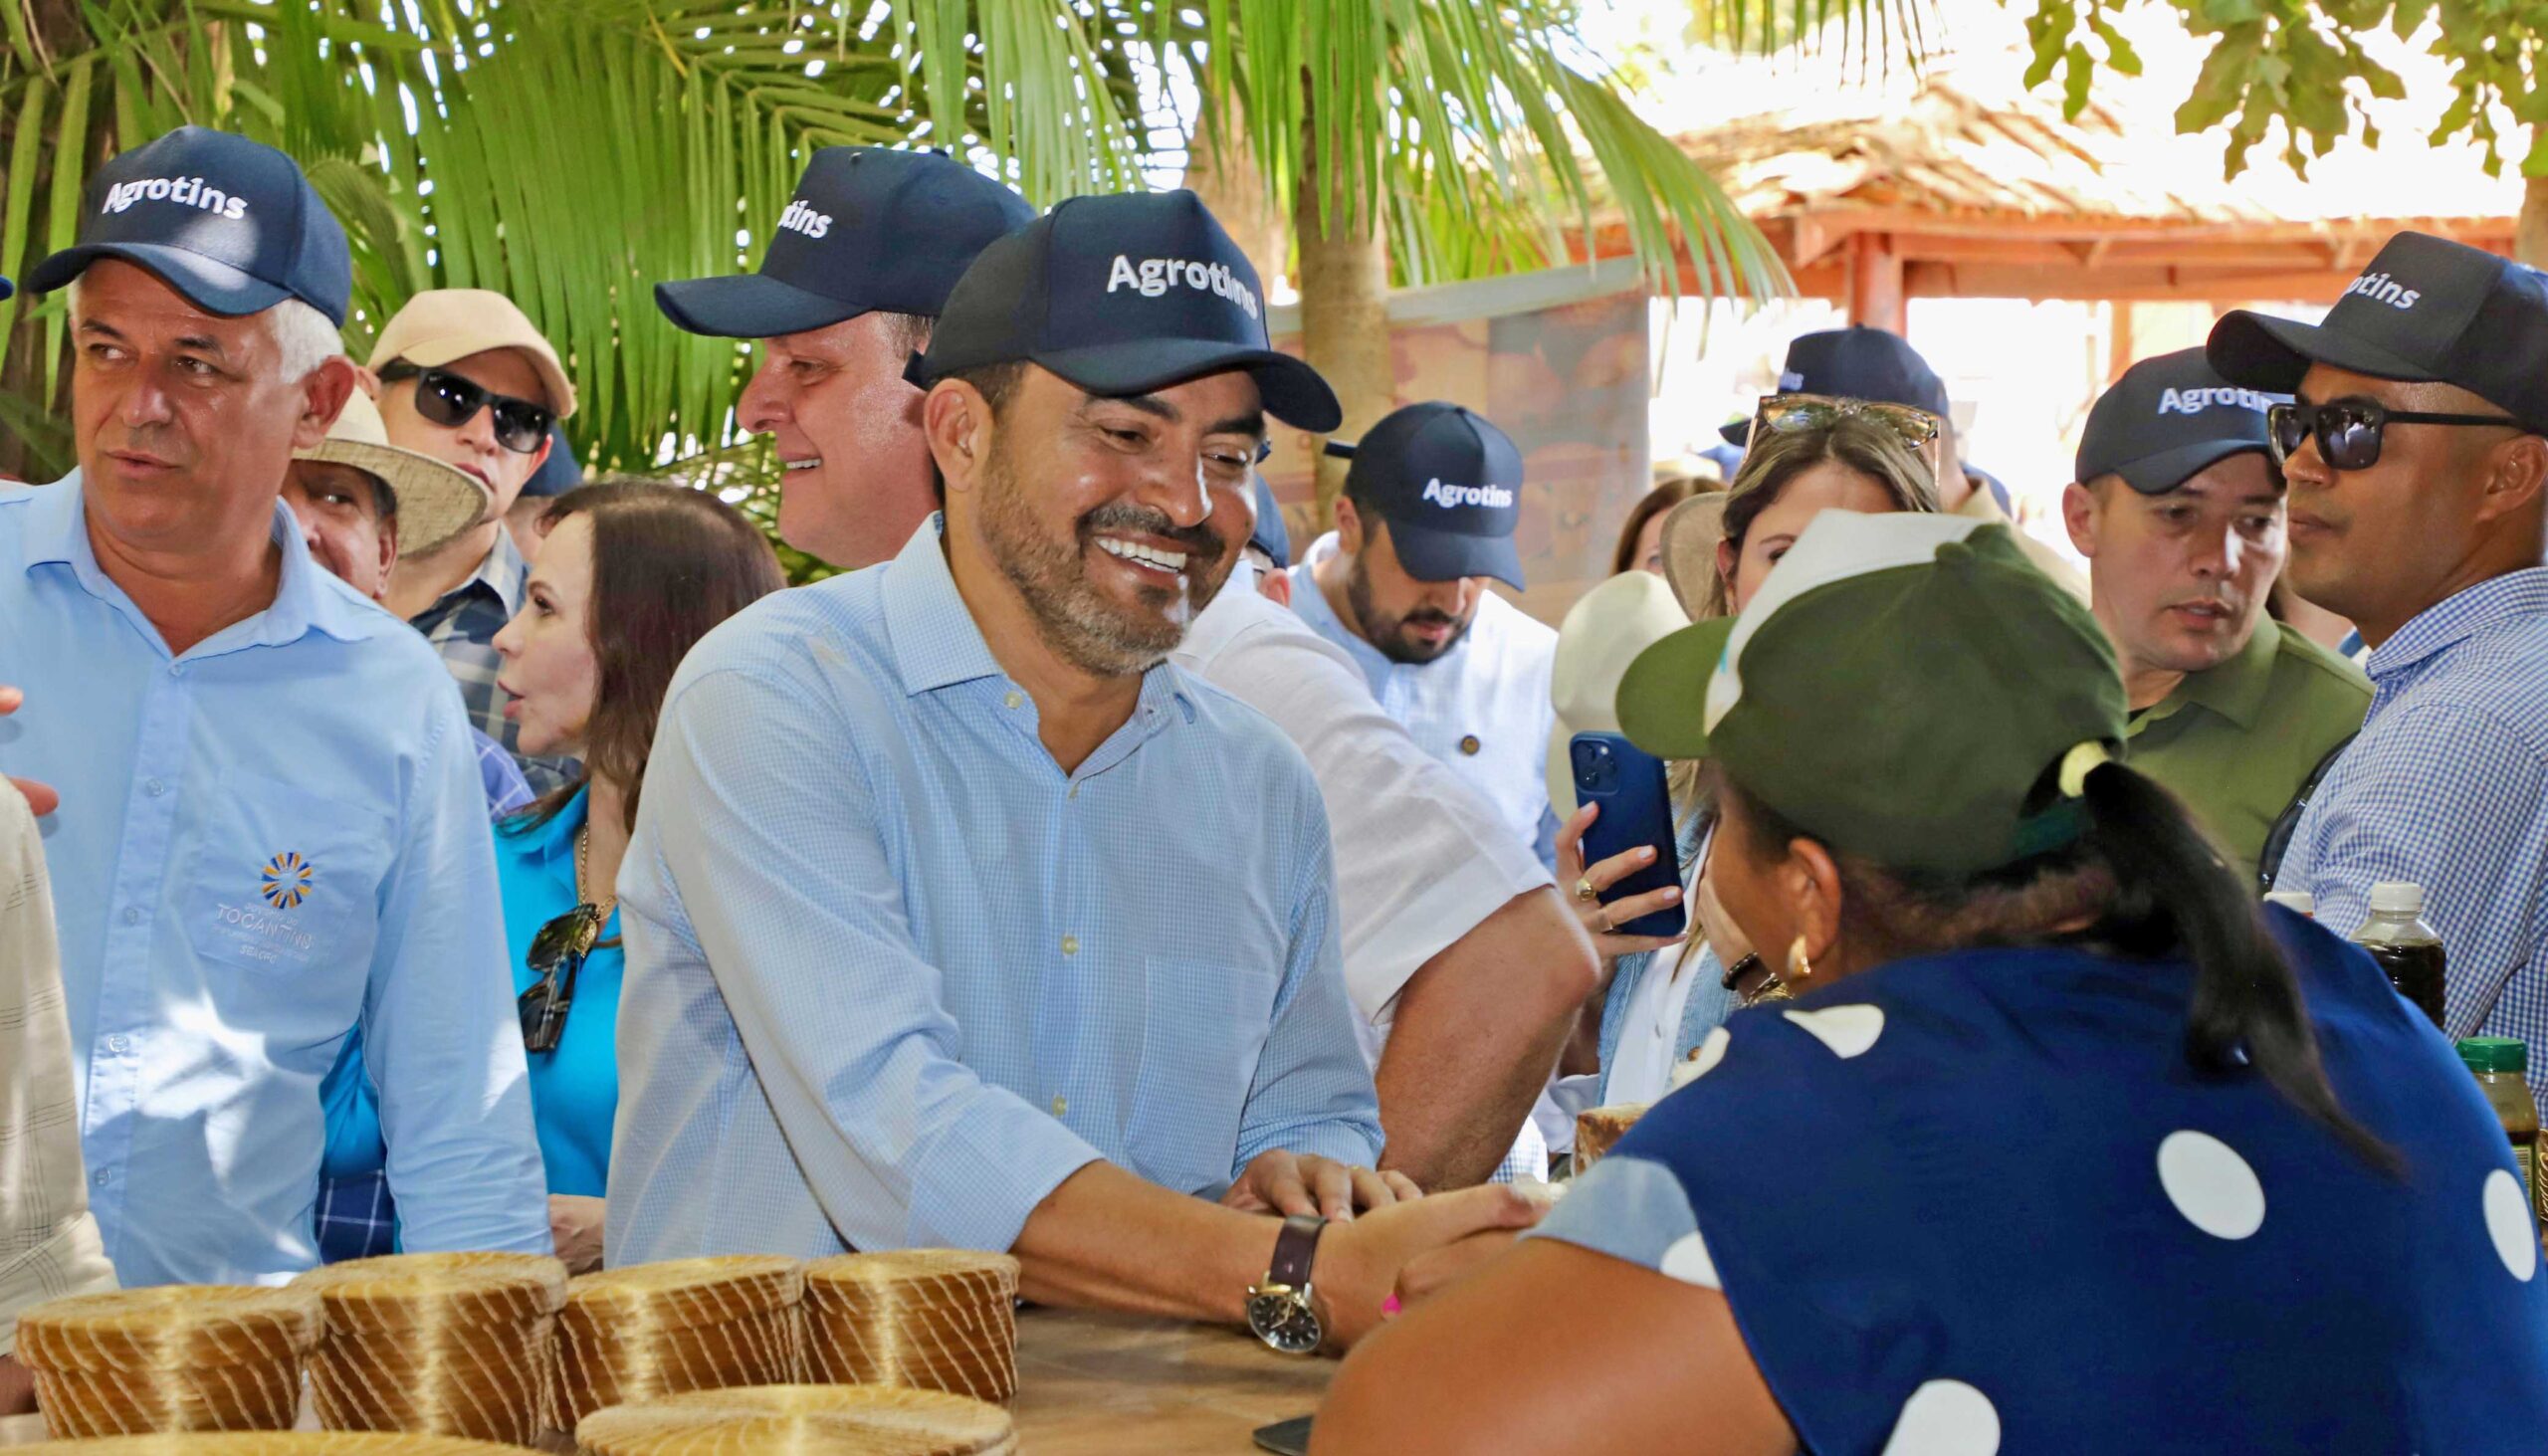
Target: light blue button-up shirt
[
  {"x": 2447, "y": 788},
  {"x": 1483, "y": 709},
  {"x": 262, "y": 844},
  {"x": 892, "y": 975}
]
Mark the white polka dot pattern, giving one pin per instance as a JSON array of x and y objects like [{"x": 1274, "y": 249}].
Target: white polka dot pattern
[
  {"x": 2211, "y": 1185},
  {"x": 1704, "y": 1059},
  {"x": 1848, "y": 1030},
  {"x": 1946, "y": 1418},
  {"x": 2508, "y": 1224},
  {"x": 1689, "y": 1261}
]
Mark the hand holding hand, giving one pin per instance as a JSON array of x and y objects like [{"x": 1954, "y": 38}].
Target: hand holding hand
[
  {"x": 1362, "y": 1265},
  {"x": 1289, "y": 1182}
]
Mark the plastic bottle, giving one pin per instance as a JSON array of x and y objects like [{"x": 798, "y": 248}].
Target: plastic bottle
[
  {"x": 2499, "y": 1062},
  {"x": 2406, "y": 947}
]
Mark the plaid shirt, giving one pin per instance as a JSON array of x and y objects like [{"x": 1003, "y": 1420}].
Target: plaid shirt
[
  {"x": 2447, "y": 788},
  {"x": 462, "y": 626}
]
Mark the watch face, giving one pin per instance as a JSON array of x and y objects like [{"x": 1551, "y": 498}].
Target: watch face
[{"x": 1285, "y": 1320}]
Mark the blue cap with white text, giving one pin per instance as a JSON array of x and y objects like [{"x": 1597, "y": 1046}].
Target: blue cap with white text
[
  {"x": 1449, "y": 485},
  {"x": 231, "y": 224},
  {"x": 2168, "y": 420}
]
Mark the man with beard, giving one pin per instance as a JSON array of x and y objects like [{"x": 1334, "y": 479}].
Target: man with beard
[
  {"x": 1427, "y": 516},
  {"x": 2180, "y": 514},
  {"x": 958, "y": 917}
]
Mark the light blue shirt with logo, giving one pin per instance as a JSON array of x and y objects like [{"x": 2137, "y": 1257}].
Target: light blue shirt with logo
[
  {"x": 264, "y": 843},
  {"x": 892, "y": 975}
]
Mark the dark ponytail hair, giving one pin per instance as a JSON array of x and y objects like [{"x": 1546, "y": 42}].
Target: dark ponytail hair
[{"x": 2146, "y": 883}]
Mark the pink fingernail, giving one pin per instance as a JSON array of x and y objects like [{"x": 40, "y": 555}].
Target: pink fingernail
[{"x": 1389, "y": 1306}]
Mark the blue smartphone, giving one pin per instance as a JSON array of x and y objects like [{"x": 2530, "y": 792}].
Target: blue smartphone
[{"x": 1636, "y": 809}]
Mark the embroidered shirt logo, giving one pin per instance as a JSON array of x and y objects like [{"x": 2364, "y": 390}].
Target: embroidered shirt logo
[{"x": 286, "y": 880}]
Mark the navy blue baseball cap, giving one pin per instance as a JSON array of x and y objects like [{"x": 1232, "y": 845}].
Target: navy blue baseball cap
[
  {"x": 870, "y": 230},
  {"x": 559, "y": 473},
  {"x": 2169, "y": 419},
  {"x": 1124, "y": 294},
  {"x": 1271, "y": 535},
  {"x": 1449, "y": 485},
  {"x": 229, "y": 223},
  {"x": 2426, "y": 311},
  {"x": 1857, "y": 362}
]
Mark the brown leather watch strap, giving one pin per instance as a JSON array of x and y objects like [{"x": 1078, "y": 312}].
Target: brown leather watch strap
[{"x": 1294, "y": 1248}]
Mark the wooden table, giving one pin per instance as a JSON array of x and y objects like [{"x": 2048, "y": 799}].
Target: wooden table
[{"x": 1110, "y": 1385}]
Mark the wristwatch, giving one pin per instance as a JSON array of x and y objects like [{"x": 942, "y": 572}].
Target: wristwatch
[{"x": 1279, "y": 1309}]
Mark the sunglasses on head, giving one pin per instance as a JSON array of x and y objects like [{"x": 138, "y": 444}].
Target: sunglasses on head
[
  {"x": 2349, "y": 431},
  {"x": 1786, "y": 414},
  {"x": 449, "y": 401},
  {"x": 557, "y": 954}
]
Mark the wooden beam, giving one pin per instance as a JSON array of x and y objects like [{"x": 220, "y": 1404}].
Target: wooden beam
[
  {"x": 2119, "y": 351},
  {"x": 1876, "y": 298}
]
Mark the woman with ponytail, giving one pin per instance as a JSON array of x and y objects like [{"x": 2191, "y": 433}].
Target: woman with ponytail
[{"x": 2060, "y": 1144}]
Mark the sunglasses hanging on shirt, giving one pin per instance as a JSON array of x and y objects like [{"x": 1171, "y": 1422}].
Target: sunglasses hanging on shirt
[
  {"x": 447, "y": 399},
  {"x": 558, "y": 954},
  {"x": 2349, "y": 431}
]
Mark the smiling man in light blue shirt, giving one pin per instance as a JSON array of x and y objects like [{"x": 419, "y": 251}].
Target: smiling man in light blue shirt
[
  {"x": 955, "y": 914},
  {"x": 270, "y": 828}
]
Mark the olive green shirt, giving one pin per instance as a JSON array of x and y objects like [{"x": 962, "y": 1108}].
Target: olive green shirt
[{"x": 2238, "y": 741}]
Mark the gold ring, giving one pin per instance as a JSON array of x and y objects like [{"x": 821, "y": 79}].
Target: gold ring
[
  {"x": 1608, "y": 929},
  {"x": 1583, "y": 890}
]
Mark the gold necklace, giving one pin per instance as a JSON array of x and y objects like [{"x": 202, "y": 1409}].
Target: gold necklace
[{"x": 583, "y": 877}]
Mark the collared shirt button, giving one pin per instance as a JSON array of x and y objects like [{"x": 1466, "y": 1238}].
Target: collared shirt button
[
  {"x": 1070, "y": 944},
  {"x": 105, "y": 1177},
  {"x": 1061, "y": 1105},
  {"x": 154, "y": 788},
  {"x": 1013, "y": 700},
  {"x": 1469, "y": 745},
  {"x": 132, "y": 914},
  {"x": 1073, "y": 793},
  {"x": 118, "y": 1045}
]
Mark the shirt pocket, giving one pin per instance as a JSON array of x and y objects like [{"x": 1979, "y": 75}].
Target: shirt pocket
[
  {"x": 284, "y": 880},
  {"x": 1204, "y": 1029}
]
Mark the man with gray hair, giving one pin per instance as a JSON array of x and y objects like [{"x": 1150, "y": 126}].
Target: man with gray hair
[{"x": 271, "y": 831}]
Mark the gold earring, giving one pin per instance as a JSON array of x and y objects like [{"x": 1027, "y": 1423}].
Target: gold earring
[{"x": 1799, "y": 966}]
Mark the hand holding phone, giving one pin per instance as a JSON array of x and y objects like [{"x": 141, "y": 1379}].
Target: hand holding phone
[{"x": 1620, "y": 848}]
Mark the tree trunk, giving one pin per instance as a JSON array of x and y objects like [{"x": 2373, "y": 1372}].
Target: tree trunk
[
  {"x": 2530, "y": 236},
  {"x": 1344, "y": 315},
  {"x": 1222, "y": 168}
]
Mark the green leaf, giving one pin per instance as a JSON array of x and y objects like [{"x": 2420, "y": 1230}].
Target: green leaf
[{"x": 2081, "y": 68}]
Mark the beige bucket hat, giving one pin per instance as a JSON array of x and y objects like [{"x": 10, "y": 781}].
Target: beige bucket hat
[{"x": 433, "y": 500}]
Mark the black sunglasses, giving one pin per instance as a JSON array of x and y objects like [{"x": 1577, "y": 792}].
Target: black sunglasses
[
  {"x": 557, "y": 953},
  {"x": 451, "y": 402},
  {"x": 2348, "y": 431}
]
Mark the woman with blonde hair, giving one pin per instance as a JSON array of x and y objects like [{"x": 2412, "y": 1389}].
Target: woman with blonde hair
[{"x": 1805, "y": 459}]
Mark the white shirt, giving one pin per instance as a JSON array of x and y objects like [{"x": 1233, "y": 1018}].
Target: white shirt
[
  {"x": 1483, "y": 709},
  {"x": 1420, "y": 859},
  {"x": 48, "y": 1243},
  {"x": 1641, "y": 1064}
]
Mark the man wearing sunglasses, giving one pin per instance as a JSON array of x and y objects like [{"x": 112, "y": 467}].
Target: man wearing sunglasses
[
  {"x": 272, "y": 834},
  {"x": 2179, "y": 512},
  {"x": 2413, "y": 446},
  {"x": 857, "y": 270},
  {"x": 467, "y": 379}
]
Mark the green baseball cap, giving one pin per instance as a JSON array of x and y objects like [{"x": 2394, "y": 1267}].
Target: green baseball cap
[{"x": 1898, "y": 689}]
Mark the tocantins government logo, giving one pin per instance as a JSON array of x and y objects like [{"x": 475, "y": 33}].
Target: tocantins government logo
[{"x": 286, "y": 881}]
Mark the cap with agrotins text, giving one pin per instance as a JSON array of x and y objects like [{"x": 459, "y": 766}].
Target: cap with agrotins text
[
  {"x": 1122, "y": 295},
  {"x": 1858, "y": 362},
  {"x": 1449, "y": 485},
  {"x": 1878, "y": 638},
  {"x": 442, "y": 325},
  {"x": 229, "y": 222},
  {"x": 870, "y": 230},
  {"x": 2426, "y": 310},
  {"x": 2168, "y": 420}
]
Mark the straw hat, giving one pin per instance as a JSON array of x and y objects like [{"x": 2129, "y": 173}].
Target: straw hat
[
  {"x": 434, "y": 501},
  {"x": 1603, "y": 633},
  {"x": 1692, "y": 531}
]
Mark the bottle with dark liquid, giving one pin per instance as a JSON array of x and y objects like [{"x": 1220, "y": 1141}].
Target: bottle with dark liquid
[
  {"x": 2406, "y": 947},
  {"x": 2499, "y": 1062}
]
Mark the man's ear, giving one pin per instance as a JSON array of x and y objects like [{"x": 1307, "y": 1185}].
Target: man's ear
[
  {"x": 1275, "y": 587},
  {"x": 957, "y": 420},
  {"x": 1349, "y": 528},
  {"x": 323, "y": 399},
  {"x": 2080, "y": 514},
  {"x": 2515, "y": 472},
  {"x": 388, "y": 554}
]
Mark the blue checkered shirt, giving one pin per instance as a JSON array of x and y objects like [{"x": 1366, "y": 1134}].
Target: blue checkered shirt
[
  {"x": 892, "y": 975},
  {"x": 462, "y": 626},
  {"x": 2447, "y": 788}
]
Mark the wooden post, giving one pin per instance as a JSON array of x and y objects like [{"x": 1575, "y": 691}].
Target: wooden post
[
  {"x": 1875, "y": 283},
  {"x": 2119, "y": 348}
]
